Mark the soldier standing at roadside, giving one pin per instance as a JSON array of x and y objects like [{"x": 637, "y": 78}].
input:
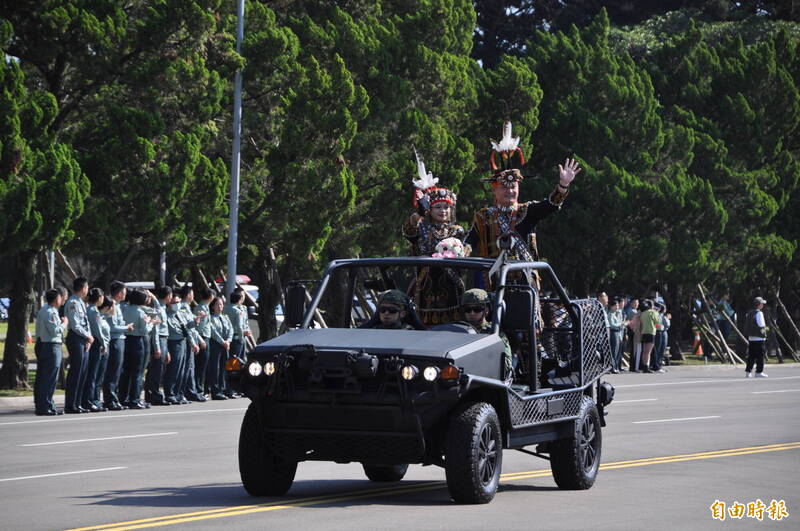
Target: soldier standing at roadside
[
  {"x": 49, "y": 328},
  {"x": 160, "y": 356},
  {"x": 188, "y": 387},
  {"x": 237, "y": 314},
  {"x": 135, "y": 349},
  {"x": 79, "y": 339},
  {"x": 98, "y": 353},
  {"x": 221, "y": 336},
  {"x": 204, "y": 329},
  {"x": 116, "y": 348}
]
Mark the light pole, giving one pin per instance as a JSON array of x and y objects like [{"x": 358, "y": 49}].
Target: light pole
[{"x": 233, "y": 233}]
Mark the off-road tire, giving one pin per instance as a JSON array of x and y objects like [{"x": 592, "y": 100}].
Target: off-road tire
[
  {"x": 576, "y": 460},
  {"x": 473, "y": 453},
  {"x": 385, "y": 472},
  {"x": 263, "y": 473}
]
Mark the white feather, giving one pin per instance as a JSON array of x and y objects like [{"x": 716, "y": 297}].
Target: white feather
[
  {"x": 426, "y": 180},
  {"x": 508, "y": 143}
]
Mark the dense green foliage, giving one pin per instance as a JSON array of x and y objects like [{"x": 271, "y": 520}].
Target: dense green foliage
[
  {"x": 685, "y": 122},
  {"x": 42, "y": 192}
]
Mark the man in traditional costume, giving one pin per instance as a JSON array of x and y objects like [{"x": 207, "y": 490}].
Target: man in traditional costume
[{"x": 508, "y": 217}]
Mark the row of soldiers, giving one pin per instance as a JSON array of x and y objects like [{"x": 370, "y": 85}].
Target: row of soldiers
[{"x": 115, "y": 338}]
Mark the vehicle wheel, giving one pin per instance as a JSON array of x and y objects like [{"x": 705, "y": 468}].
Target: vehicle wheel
[
  {"x": 263, "y": 473},
  {"x": 474, "y": 454},
  {"x": 385, "y": 472},
  {"x": 575, "y": 461}
]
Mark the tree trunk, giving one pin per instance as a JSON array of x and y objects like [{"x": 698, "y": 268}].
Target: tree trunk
[{"x": 14, "y": 373}]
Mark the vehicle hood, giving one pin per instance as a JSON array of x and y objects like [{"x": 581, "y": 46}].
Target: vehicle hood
[{"x": 435, "y": 344}]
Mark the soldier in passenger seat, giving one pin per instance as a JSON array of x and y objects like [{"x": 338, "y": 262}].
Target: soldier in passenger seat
[{"x": 475, "y": 305}]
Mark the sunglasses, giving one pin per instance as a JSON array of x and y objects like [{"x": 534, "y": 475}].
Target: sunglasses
[
  {"x": 388, "y": 309},
  {"x": 474, "y": 309}
]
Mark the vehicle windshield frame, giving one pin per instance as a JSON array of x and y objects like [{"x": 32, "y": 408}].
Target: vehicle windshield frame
[{"x": 476, "y": 264}]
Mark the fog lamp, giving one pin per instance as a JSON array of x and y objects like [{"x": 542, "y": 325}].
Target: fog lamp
[
  {"x": 430, "y": 373},
  {"x": 409, "y": 372},
  {"x": 254, "y": 369},
  {"x": 269, "y": 368}
]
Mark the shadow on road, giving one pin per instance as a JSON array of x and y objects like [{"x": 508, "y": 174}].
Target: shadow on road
[
  {"x": 309, "y": 493},
  {"x": 517, "y": 487}
]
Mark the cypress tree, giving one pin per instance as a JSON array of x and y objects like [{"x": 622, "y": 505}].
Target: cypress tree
[{"x": 42, "y": 191}]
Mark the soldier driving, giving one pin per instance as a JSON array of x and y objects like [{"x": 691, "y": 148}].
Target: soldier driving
[{"x": 392, "y": 308}]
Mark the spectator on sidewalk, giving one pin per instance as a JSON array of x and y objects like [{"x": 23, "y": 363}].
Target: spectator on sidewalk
[
  {"x": 659, "y": 343},
  {"x": 615, "y": 320},
  {"x": 755, "y": 328},
  {"x": 49, "y": 329},
  {"x": 648, "y": 321},
  {"x": 727, "y": 315},
  {"x": 634, "y": 335}
]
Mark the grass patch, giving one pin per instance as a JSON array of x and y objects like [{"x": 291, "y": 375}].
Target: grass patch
[
  {"x": 31, "y": 380},
  {"x": 28, "y": 346}
]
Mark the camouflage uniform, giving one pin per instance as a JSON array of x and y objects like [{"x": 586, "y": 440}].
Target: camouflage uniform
[{"x": 477, "y": 296}]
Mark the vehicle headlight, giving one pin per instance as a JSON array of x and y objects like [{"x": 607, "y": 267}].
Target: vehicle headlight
[
  {"x": 269, "y": 368},
  {"x": 430, "y": 373},
  {"x": 409, "y": 372},
  {"x": 254, "y": 369}
]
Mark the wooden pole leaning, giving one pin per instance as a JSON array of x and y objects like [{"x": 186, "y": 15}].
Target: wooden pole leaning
[
  {"x": 788, "y": 317},
  {"x": 715, "y": 331}
]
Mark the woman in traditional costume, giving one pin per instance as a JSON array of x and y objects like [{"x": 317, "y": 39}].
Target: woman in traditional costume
[{"x": 436, "y": 291}]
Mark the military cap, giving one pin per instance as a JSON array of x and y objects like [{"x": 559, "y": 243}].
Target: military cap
[
  {"x": 394, "y": 296},
  {"x": 475, "y": 296}
]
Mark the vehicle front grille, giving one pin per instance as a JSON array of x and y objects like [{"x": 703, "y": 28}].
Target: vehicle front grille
[{"x": 328, "y": 445}]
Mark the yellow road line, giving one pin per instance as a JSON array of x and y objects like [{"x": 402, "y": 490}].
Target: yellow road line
[{"x": 395, "y": 490}]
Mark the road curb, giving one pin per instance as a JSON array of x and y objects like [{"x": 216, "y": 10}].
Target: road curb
[{"x": 16, "y": 403}]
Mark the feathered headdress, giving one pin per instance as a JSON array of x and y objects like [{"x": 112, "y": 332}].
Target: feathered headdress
[
  {"x": 427, "y": 184},
  {"x": 506, "y": 170},
  {"x": 426, "y": 180}
]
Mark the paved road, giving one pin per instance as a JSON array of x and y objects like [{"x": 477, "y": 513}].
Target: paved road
[{"x": 674, "y": 444}]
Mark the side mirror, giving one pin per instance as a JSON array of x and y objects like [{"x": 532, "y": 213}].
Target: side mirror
[{"x": 295, "y": 305}]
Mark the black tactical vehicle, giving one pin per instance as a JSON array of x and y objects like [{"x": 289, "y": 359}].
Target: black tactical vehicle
[{"x": 434, "y": 396}]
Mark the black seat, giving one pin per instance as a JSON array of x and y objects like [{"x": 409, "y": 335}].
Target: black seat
[{"x": 518, "y": 315}]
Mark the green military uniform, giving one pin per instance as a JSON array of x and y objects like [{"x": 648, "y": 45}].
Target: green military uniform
[{"x": 477, "y": 296}]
